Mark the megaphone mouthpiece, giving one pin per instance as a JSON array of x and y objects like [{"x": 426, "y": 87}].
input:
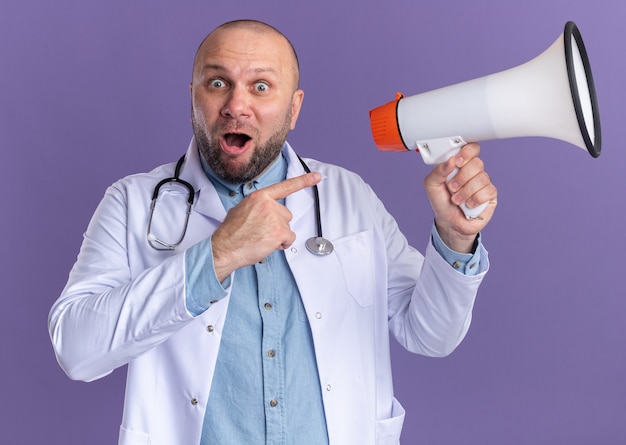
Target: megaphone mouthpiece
[{"x": 384, "y": 125}]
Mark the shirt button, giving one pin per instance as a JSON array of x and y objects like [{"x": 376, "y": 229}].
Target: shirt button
[
  {"x": 232, "y": 194},
  {"x": 271, "y": 353},
  {"x": 210, "y": 328},
  {"x": 318, "y": 315},
  {"x": 456, "y": 264},
  {"x": 194, "y": 401},
  {"x": 262, "y": 261},
  {"x": 273, "y": 403},
  {"x": 328, "y": 387},
  {"x": 267, "y": 306},
  {"x": 473, "y": 265},
  {"x": 213, "y": 301},
  {"x": 294, "y": 250},
  {"x": 249, "y": 185}
]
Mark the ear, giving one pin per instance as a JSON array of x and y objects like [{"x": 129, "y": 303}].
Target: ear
[{"x": 296, "y": 105}]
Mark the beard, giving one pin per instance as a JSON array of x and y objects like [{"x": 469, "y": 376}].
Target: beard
[{"x": 239, "y": 173}]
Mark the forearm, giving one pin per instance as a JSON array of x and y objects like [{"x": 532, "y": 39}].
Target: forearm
[
  {"x": 99, "y": 324},
  {"x": 118, "y": 302},
  {"x": 433, "y": 318},
  {"x": 202, "y": 282}
]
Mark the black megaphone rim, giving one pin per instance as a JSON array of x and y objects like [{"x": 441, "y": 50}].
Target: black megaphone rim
[{"x": 571, "y": 30}]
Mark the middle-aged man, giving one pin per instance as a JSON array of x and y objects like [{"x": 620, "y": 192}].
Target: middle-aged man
[{"x": 238, "y": 334}]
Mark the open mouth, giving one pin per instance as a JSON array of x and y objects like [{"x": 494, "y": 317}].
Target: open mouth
[{"x": 236, "y": 140}]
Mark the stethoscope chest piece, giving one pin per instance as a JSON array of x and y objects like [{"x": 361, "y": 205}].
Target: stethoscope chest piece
[{"x": 319, "y": 245}]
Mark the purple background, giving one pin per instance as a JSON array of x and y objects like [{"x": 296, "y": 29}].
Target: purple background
[{"x": 91, "y": 91}]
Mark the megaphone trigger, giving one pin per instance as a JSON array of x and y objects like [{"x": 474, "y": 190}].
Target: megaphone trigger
[{"x": 436, "y": 151}]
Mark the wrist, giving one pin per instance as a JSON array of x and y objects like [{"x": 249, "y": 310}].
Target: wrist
[
  {"x": 223, "y": 263},
  {"x": 456, "y": 241}
]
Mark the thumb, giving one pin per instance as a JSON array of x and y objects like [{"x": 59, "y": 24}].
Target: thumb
[{"x": 439, "y": 175}]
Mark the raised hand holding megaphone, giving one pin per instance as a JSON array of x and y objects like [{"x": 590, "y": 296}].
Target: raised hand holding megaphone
[{"x": 552, "y": 95}]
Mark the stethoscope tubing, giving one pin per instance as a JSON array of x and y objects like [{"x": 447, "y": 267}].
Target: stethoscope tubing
[
  {"x": 317, "y": 245},
  {"x": 153, "y": 241}
]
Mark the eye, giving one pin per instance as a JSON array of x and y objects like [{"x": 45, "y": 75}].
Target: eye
[
  {"x": 217, "y": 84},
  {"x": 261, "y": 87}
]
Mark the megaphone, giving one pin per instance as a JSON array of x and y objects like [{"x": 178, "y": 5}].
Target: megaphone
[{"x": 552, "y": 95}]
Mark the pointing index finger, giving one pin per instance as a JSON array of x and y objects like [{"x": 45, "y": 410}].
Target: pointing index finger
[{"x": 285, "y": 188}]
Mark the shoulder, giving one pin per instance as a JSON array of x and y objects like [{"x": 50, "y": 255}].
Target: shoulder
[{"x": 143, "y": 180}]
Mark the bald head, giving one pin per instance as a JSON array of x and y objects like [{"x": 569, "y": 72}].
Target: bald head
[{"x": 252, "y": 26}]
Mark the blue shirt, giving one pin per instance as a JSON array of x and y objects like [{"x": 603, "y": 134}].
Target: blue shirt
[{"x": 266, "y": 387}]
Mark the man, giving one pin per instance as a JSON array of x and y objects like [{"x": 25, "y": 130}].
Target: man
[{"x": 239, "y": 335}]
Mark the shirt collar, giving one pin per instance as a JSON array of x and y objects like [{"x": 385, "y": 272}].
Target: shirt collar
[{"x": 276, "y": 172}]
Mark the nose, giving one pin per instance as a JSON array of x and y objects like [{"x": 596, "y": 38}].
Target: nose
[{"x": 237, "y": 104}]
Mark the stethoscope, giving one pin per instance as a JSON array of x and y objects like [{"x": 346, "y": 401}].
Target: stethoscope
[{"x": 317, "y": 245}]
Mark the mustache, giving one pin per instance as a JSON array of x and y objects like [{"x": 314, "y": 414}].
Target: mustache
[
  {"x": 223, "y": 127},
  {"x": 234, "y": 127}
]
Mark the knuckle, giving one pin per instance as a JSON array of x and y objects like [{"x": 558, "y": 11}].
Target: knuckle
[
  {"x": 478, "y": 163},
  {"x": 485, "y": 179},
  {"x": 493, "y": 190},
  {"x": 256, "y": 196}
]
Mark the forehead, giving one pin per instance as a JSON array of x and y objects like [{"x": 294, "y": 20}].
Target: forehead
[{"x": 242, "y": 49}]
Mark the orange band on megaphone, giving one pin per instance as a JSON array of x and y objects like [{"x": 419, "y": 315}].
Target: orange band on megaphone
[{"x": 384, "y": 125}]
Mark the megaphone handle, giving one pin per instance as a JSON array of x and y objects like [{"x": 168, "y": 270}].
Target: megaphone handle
[
  {"x": 474, "y": 212},
  {"x": 437, "y": 150}
]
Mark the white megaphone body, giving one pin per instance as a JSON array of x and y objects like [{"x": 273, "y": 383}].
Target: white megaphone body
[{"x": 552, "y": 95}]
